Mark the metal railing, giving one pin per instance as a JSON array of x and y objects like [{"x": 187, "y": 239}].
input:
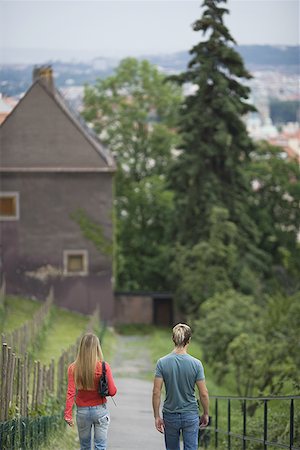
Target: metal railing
[{"x": 245, "y": 415}]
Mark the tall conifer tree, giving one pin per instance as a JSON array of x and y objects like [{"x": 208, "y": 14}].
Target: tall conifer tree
[{"x": 209, "y": 170}]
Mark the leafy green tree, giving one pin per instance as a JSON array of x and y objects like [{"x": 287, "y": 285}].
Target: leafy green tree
[
  {"x": 223, "y": 318},
  {"x": 265, "y": 361},
  {"x": 215, "y": 148},
  {"x": 275, "y": 208},
  {"x": 134, "y": 111},
  {"x": 256, "y": 344},
  {"x": 208, "y": 267},
  {"x": 144, "y": 230}
]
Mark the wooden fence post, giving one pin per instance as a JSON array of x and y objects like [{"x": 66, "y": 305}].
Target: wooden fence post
[
  {"x": 10, "y": 390},
  {"x": 18, "y": 384},
  {"x": 34, "y": 385},
  {"x": 3, "y": 380},
  {"x": 52, "y": 376},
  {"x": 20, "y": 338},
  {"x": 25, "y": 386}
]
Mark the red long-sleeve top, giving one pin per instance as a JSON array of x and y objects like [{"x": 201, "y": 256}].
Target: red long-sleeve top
[{"x": 85, "y": 397}]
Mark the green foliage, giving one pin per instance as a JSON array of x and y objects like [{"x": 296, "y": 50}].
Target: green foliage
[
  {"x": 211, "y": 266},
  {"x": 108, "y": 343},
  {"x": 257, "y": 345},
  {"x": 32, "y": 432},
  {"x": 92, "y": 231},
  {"x": 17, "y": 311},
  {"x": 218, "y": 251},
  {"x": 224, "y": 317},
  {"x": 134, "y": 112},
  {"x": 135, "y": 329},
  {"x": 144, "y": 235},
  {"x": 275, "y": 208},
  {"x": 65, "y": 438},
  {"x": 205, "y": 269},
  {"x": 209, "y": 170},
  {"x": 62, "y": 331},
  {"x": 237, "y": 220}
]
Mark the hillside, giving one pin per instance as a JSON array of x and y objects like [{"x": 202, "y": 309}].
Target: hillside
[
  {"x": 15, "y": 78},
  {"x": 61, "y": 330}
]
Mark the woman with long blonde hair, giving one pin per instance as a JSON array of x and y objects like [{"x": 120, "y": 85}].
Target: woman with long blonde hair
[{"x": 83, "y": 378}]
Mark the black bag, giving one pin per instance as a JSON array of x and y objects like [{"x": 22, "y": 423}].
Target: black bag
[{"x": 103, "y": 384}]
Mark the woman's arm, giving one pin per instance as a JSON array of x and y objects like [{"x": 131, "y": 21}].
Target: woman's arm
[
  {"x": 112, "y": 389},
  {"x": 71, "y": 392}
]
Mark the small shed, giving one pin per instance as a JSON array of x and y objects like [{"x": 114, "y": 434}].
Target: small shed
[{"x": 149, "y": 308}]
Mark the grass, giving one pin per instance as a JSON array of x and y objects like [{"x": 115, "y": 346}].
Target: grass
[
  {"x": 63, "y": 330},
  {"x": 17, "y": 311},
  {"x": 135, "y": 330},
  {"x": 67, "y": 439},
  {"x": 108, "y": 344}
]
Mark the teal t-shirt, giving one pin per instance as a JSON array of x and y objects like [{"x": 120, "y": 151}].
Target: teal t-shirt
[{"x": 180, "y": 373}]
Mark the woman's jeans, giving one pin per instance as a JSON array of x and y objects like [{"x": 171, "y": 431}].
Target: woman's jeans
[
  {"x": 89, "y": 418},
  {"x": 188, "y": 423}
]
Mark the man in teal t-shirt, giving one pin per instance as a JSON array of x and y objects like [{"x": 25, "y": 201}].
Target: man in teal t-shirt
[{"x": 180, "y": 373}]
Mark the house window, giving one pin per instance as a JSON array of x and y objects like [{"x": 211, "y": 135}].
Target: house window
[
  {"x": 9, "y": 206},
  {"x": 75, "y": 262}
]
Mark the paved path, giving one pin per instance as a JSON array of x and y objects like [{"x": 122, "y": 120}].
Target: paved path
[{"x": 132, "y": 423}]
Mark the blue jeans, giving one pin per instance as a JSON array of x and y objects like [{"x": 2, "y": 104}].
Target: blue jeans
[
  {"x": 188, "y": 423},
  {"x": 89, "y": 418}
]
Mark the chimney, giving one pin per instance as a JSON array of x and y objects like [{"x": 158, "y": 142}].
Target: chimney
[{"x": 45, "y": 75}]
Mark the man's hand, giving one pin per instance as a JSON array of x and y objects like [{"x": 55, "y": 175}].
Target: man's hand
[
  {"x": 157, "y": 385},
  {"x": 159, "y": 424},
  {"x": 204, "y": 419},
  {"x": 69, "y": 422}
]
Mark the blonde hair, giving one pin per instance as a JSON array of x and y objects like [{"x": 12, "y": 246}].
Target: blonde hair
[
  {"x": 89, "y": 353},
  {"x": 181, "y": 334}
]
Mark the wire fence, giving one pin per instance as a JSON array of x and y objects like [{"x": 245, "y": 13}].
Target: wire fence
[
  {"x": 25, "y": 385},
  {"x": 29, "y": 433},
  {"x": 21, "y": 338},
  {"x": 30, "y": 430}
]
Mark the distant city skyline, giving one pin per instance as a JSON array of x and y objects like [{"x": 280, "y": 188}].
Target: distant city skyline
[{"x": 123, "y": 28}]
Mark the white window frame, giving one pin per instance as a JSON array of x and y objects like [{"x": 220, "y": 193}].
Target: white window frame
[
  {"x": 16, "y": 195},
  {"x": 84, "y": 254}
]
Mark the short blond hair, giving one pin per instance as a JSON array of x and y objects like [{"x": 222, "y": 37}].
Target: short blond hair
[{"x": 181, "y": 334}]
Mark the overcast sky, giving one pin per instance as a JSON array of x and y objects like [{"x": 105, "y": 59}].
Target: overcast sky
[{"x": 122, "y": 28}]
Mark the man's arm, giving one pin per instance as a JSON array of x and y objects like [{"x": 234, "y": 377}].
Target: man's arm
[
  {"x": 156, "y": 394},
  {"x": 204, "y": 400}
]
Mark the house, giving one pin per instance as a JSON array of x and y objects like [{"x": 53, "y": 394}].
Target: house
[{"x": 53, "y": 167}]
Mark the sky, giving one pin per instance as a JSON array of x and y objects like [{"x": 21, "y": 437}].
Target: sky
[{"x": 122, "y": 28}]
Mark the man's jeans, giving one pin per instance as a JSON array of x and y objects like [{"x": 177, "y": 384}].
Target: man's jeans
[
  {"x": 89, "y": 417},
  {"x": 188, "y": 423}
]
